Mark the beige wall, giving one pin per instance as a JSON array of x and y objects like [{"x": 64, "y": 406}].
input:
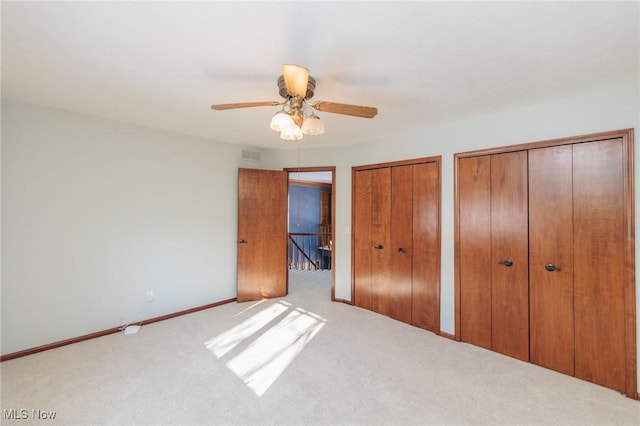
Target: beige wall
[{"x": 95, "y": 213}]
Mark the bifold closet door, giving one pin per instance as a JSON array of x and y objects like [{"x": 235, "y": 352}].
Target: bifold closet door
[
  {"x": 546, "y": 235},
  {"x": 396, "y": 245},
  {"x": 401, "y": 247},
  {"x": 372, "y": 231},
  {"x": 493, "y": 237},
  {"x": 474, "y": 218},
  {"x": 425, "y": 278},
  {"x": 380, "y": 240},
  {"x": 551, "y": 256},
  {"x": 577, "y": 260},
  {"x": 509, "y": 255},
  {"x": 599, "y": 300},
  {"x": 414, "y": 247},
  {"x": 362, "y": 253}
]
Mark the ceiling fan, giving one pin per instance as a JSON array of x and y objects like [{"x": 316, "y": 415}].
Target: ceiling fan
[{"x": 297, "y": 116}]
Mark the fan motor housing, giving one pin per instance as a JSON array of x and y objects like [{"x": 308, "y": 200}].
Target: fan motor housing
[{"x": 311, "y": 86}]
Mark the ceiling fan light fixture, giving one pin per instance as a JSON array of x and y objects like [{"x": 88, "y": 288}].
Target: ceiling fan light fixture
[
  {"x": 291, "y": 133},
  {"x": 297, "y": 117},
  {"x": 280, "y": 121},
  {"x": 312, "y": 125}
]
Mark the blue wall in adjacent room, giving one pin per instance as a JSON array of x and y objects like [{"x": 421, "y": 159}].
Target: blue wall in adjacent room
[{"x": 304, "y": 208}]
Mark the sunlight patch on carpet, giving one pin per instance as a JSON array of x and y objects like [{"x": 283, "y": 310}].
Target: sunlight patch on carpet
[
  {"x": 261, "y": 363},
  {"x": 228, "y": 340}
]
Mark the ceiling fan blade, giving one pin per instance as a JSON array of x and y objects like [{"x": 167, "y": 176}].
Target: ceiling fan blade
[
  {"x": 346, "y": 109},
  {"x": 296, "y": 79},
  {"x": 222, "y": 107}
]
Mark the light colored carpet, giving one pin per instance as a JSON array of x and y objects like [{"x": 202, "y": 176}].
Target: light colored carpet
[{"x": 292, "y": 361}]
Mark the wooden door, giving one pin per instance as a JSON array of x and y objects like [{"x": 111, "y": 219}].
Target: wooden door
[
  {"x": 362, "y": 242},
  {"x": 262, "y": 234},
  {"x": 425, "y": 290},
  {"x": 381, "y": 239},
  {"x": 396, "y": 240},
  {"x": 598, "y": 205},
  {"x": 509, "y": 255},
  {"x": 582, "y": 293},
  {"x": 401, "y": 246},
  {"x": 474, "y": 249},
  {"x": 551, "y": 233}
]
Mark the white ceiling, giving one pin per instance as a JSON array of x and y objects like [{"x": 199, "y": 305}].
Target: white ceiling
[{"x": 162, "y": 64}]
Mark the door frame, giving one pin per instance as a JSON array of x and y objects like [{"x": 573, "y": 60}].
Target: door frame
[
  {"x": 331, "y": 169},
  {"x": 629, "y": 225}
]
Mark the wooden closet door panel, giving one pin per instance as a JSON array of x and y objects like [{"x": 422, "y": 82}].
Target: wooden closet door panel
[
  {"x": 381, "y": 238},
  {"x": 401, "y": 247},
  {"x": 361, "y": 228},
  {"x": 598, "y": 188},
  {"x": 425, "y": 311},
  {"x": 551, "y": 242},
  {"x": 474, "y": 204},
  {"x": 509, "y": 241}
]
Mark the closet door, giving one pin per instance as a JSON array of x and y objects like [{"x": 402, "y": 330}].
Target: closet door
[
  {"x": 509, "y": 255},
  {"x": 598, "y": 204},
  {"x": 362, "y": 249},
  {"x": 381, "y": 240},
  {"x": 425, "y": 279},
  {"x": 474, "y": 224},
  {"x": 551, "y": 232},
  {"x": 493, "y": 250},
  {"x": 396, "y": 240},
  {"x": 581, "y": 296},
  {"x": 401, "y": 247}
]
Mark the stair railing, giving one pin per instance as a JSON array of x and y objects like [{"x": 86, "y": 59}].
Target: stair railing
[{"x": 306, "y": 251}]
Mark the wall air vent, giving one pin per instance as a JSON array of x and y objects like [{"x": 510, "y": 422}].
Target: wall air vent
[{"x": 250, "y": 155}]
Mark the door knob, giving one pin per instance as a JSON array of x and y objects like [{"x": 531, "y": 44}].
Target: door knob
[
  {"x": 506, "y": 262},
  {"x": 401, "y": 250},
  {"x": 378, "y": 247},
  {"x": 242, "y": 242},
  {"x": 551, "y": 267}
]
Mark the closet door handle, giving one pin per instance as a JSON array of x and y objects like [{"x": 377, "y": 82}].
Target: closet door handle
[
  {"x": 378, "y": 247},
  {"x": 242, "y": 242},
  {"x": 506, "y": 262},
  {"x": 401, "y": 250},
  {"x": 551, "y": 267}
]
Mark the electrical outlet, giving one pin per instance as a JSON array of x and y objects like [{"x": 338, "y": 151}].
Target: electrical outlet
[{"x": 149, "y": 295}]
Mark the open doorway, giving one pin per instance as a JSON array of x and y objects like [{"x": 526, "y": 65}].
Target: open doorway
[{"x": 311, "y": 243}]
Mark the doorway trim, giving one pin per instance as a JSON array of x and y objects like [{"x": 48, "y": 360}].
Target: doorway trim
[{"x": 331, "y": 169}]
